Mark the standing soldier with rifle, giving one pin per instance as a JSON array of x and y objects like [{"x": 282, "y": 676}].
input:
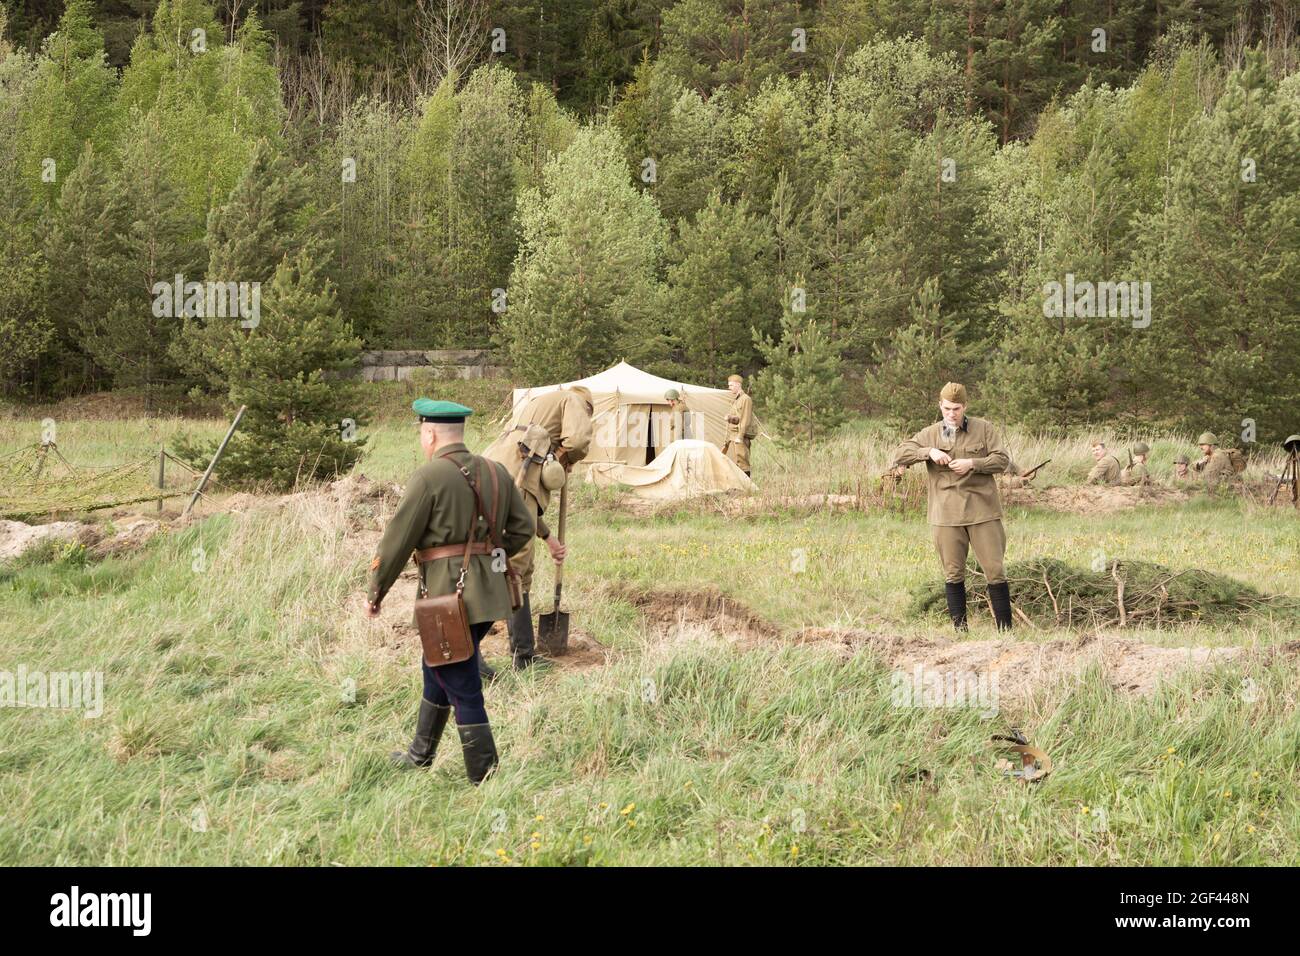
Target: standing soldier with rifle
[
  {"x": 962, "y": 455},
  {"x": 440, "y": 518},
  {"x": 552, "y": 434}
]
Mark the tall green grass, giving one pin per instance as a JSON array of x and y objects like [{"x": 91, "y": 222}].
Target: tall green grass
[{"x": 250, "y": 709}]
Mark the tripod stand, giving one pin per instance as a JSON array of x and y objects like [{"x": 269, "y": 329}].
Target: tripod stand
[{"x": 1291, "y": 473}]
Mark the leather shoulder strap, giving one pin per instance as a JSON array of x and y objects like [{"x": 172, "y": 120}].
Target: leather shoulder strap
[{"x": 478, "y": 512}]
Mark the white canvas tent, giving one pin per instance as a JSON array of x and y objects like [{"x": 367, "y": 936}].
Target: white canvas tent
[
  {"x": 630, "y": 417},
  {"x": 685, "y": 468}
]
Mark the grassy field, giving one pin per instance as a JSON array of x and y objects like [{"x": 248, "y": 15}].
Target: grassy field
[{"x": 249, "y": 707}]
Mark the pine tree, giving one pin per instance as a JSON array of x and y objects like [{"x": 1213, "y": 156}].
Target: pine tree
[
  {"x": 72, "y": 99},
  {"x": 270, "y": 215},
  {"x": 290, "y": 372},
  {"x": 1224, "y": 263},
  {"x": 583, "y": 292},
  {"x": 214, "y": 100},
  {"x": 1050, "y": 375},
  {"x": 927, "y": 349},
  {"x": 25, "y": 328},
  {"x": 484, "y": 229},
  {"x": 802, "y": 386},
  {"x": 84, "y": 241},
  {"x": 132, "y": 339},
  {"x": 719, "y": 287},
  {"x": 681, "y": 135},
  {"x": 936, "y": 226}
]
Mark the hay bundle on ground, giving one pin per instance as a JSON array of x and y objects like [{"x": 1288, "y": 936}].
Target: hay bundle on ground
[{"x": 1053, "y": 593}]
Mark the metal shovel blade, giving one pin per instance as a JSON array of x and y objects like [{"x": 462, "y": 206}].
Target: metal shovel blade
[{"x": 553, "y": 633}]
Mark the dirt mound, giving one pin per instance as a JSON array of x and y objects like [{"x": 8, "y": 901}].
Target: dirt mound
[
  {"x": 1095, "y": 499},
  {"x": 128, "y": 534},
  {"x": 17, "y": 538},
  {"x": 669, "y": 608},
  {"x": 1022, "y": 667}
]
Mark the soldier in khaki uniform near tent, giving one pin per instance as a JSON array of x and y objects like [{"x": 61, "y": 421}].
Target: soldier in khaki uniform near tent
[
  {"x": 1106, "y": 471},
  {"x": 1136, "y": 473},
  {"x": 962, "y": 455},
  {"x": 1215, "y": 464},
  {"x": 741, "y": 427},
  {"x": 677, "y": 420},
  {"x": 554, "y": 429},
  {"x": 437, "y": 515}
]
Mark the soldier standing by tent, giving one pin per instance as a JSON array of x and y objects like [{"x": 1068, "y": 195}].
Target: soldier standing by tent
[
  {"x": 437, "y": 516},
  {"x": 962, "y": 455},
  {"x": 1107, "y": 470},
  {"x": 741, "y": 427},
  {"x": 553, "y": 428},
  {"x": 678, "y": 420}
]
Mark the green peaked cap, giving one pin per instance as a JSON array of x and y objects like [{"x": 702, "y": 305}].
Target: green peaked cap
[{"x": 431, "y": 411}]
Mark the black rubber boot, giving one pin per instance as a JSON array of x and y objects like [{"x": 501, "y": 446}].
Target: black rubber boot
[
  {"x": 1000, "y": 598},
  {"x": 956, "y": 595},
  {"x": 486, "y": 671},
  {"x": 522, "y": 641},
  {"x": 480, "y": 750},
  {"x": 428, "y": 730}
]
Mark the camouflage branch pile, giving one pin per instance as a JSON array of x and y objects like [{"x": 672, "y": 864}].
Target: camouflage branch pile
[{"x": 1127, "y": 593}]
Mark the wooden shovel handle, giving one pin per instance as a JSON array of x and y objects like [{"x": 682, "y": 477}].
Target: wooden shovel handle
[{"x": 564, "y": 512}]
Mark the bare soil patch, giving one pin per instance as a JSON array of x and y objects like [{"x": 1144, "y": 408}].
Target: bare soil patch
[{"x": 1129, "y": 665}]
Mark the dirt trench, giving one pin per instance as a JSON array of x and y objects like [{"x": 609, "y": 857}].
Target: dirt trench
[{"x": 1022, "y": 667}]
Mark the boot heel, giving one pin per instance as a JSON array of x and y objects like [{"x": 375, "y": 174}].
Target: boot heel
[
  {"x": 480, "y": 751},
  {"x": 429, "y": 726}
]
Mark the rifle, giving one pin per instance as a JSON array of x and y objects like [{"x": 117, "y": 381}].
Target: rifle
[
  {"x": 1130, "y": 459},
  {"x": 1033, "y": 471}
]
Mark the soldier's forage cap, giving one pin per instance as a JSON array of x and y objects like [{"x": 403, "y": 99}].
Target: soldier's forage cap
[
  {"x": 440, "y": 411},
  {"x": 1207, "y": 438},
  {"x": 672, "y": 395},
  {"x": 1141, "y": 448},
  {"x": 735, "y": 378},
  {"x": 953, "y": 392},
  {"x": 1095, "y": 441},
  {"x": 583, "y": 392},
  {"x": 1182, "y": 460}
]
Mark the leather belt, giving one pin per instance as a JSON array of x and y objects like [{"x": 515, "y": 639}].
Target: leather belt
[{"x": 451, "y": 551}]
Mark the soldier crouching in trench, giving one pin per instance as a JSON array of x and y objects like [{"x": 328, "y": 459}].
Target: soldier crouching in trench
[
  {"x": 438, "y": 514},
  {"x": 962, "y": 455}
]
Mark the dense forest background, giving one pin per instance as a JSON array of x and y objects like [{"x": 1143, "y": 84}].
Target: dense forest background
[{"x": 852, "y": 200}]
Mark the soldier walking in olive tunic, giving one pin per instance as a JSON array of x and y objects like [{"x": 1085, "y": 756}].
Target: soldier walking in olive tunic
[
  {"x": 962, "y": 455},
  {"x": 741, "y": 428},
  {"x": 439, "y": 510},
  {"x": 553, "y": 434}
]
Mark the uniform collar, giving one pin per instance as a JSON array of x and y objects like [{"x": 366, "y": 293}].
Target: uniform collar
[
  {"x": 456, "y": 447},
  {"x": 965, "y": 421}
]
